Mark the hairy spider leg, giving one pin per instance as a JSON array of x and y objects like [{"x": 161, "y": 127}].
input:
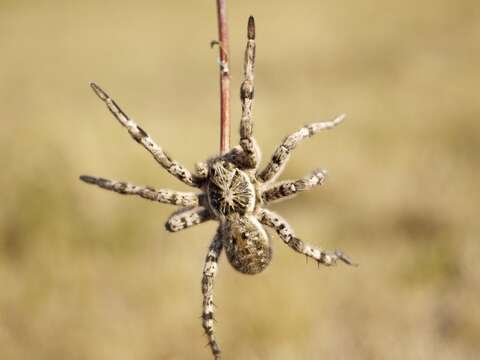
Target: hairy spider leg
[
  {"x": 164, "y": 196},
  {"x": 284, "y": 230},
  {"x": 209, "y": 272},
  {"x": 282, "y": 153},
  {"x": 247, "y": 141},
  {"x": 290, "y": 188},
  {"x": 186, "y": 218},
  {"x": 141, "y": 137}
]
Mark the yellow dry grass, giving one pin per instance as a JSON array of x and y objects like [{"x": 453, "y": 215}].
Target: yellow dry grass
[{"x": 87, "y": 274}]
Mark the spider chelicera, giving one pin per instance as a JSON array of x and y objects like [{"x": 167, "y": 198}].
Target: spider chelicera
[{"x": 233, "y": 191}]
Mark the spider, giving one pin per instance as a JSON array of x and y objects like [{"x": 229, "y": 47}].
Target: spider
[{"x": 233, "y": 191}]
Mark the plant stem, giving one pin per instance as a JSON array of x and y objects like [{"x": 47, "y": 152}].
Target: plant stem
[{"x": 224, "y": 77}]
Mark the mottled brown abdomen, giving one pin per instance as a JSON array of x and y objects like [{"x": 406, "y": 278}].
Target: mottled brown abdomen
[{"x": 247, "y": 244}]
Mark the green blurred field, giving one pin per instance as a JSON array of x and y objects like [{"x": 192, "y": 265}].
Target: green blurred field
[{"x": 87, "y": 274}]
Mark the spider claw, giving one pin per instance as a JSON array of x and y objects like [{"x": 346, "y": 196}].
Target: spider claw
[
  {"x": 339, "y": 119},
  {"x": 341, "y": 256},
  {"x": 251, "y": 28},
  {"x": 99, "y": 91},
  {"x": 88, "y": 179}
]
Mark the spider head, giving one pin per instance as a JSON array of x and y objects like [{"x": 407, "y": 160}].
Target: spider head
[
  {"x": 229, "y": 189},
  {"x": 221, "y": 172}
]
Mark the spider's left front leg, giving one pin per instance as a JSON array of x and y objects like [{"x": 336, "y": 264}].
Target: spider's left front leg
[
  {"x": 165, "y": 196},
  {"x": 283, "y": 229},
  {"x": 209, "y": 272},
  {"x": 251, "y": 152}
]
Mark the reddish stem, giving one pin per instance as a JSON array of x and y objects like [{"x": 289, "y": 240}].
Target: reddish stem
[{"x": 224, "y": 77}]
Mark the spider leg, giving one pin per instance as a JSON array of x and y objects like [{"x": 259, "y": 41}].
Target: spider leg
[
  {"x": 161, "y": 195},
  {"x": 247, "y": 142},
  {"x": 188, "y": 217},
  {"x": 290, "y": 188},
  {"x": 140, "y": 136},
  {"x": 201, "y": 170},
  {"x": 282, "y": 153},
  {"x": 283, "y": 229},
  {"x": 209, "y": 272}
]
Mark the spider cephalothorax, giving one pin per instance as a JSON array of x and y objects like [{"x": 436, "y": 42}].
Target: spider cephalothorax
[
  {"x": 233, "y": 191},
  {"x": 229, "y": 190}
]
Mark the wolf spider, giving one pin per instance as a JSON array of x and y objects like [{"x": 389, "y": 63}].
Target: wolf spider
[{"x": 232, "y": 191}]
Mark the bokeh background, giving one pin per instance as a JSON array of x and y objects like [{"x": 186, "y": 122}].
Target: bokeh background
[{"x": 88, "y": 274}]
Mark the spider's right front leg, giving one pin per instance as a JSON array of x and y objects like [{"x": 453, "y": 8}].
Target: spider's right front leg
[
  {"x": 282, "y": 153},
  {"x": 209, "y": 272},
  {"x": 141, "y": 137}
]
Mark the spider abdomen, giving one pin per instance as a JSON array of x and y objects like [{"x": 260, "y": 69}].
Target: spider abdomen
[{"x": 246, "y": 243}]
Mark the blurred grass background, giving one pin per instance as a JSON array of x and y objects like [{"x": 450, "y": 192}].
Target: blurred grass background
[{"x": 87, "y": 274}]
